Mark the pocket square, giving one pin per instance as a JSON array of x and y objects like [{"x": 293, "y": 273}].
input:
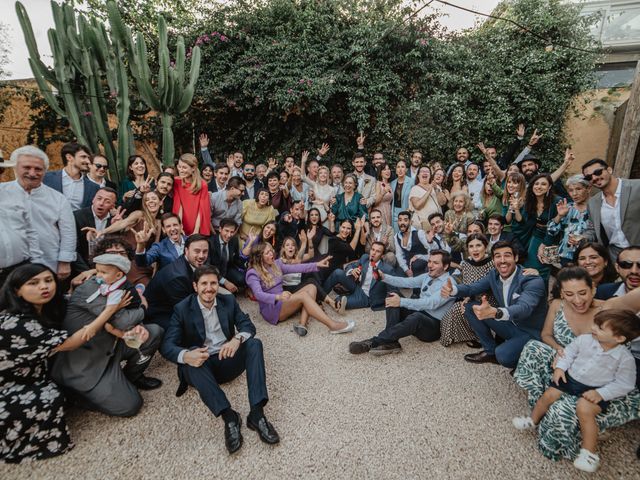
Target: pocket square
[{"x": 515, "y": 296}]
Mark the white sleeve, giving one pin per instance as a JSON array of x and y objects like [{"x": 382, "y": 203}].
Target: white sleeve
[{"x": 67, "y": 226}]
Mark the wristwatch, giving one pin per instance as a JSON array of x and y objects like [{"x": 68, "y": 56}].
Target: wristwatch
[{"x": 499, "y": 314}]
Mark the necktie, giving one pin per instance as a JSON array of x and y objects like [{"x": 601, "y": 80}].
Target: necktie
[{"x": 225, "y": 253}]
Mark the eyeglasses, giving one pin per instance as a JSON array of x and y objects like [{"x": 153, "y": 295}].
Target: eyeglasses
[
  {"x": 99, "y": 166},
  {"x": 627, "y": 265},
  {"x": 596, "y": 173}
]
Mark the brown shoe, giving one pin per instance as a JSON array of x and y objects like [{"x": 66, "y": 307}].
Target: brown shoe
[{"x": 481, "y": 357}]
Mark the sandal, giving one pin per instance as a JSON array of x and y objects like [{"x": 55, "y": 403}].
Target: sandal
[{"x": 300, "y": 329}]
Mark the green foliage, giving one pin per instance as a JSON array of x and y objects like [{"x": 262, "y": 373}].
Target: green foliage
[{"x": 285, "y": 75}]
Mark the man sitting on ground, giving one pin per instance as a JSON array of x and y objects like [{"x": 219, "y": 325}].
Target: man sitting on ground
[
  {"x": 519, "y": 316},
  {"x": 420, "y": 317},
  {"x": 166, "y": 250},
  {"x": 362, "y": 283},
  {"x": 411, "y": 247},
  {"x": 201, "y": 338},
  {"x": 224, "y": 253}
]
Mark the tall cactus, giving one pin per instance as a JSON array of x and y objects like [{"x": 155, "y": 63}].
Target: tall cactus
[
  {"x": 86, "y": 58},
  {"x": 171, "y": 96}
]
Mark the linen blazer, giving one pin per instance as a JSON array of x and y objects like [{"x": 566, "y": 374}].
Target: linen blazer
[
  {"x": 629, "y": 212},
  {"x": 186, "y": 328},
  {"x": 81, "y": 369}
]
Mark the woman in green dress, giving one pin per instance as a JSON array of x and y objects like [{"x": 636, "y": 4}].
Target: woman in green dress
[{"x": 569, "y": 316}]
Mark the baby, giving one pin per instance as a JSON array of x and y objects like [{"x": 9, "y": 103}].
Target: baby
[
  {"x": 596, "y": 367},
  {"x": 111, "y": 271}
]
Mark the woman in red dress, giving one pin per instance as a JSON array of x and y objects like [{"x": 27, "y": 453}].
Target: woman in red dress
[{"x": 191, "y": 197}]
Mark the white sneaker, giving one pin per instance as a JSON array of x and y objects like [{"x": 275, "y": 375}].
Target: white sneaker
[
  {"x": 348, "y": 329},
  {"x": 523, "y": 423},
  {"x": 587, "y": 461}
]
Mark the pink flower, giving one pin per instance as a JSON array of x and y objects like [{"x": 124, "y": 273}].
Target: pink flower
[
  {"x": 290, "y": 90},
  {"x": 87, "y": 114},
  {"x": 302, "y": 80},
  {"x": 223, "y": 38}
]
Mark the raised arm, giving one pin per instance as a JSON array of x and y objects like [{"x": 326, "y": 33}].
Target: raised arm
[{"x": 568, "y": 160}]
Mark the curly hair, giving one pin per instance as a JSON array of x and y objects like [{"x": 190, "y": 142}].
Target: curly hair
[{"x": 267, "y": 275}]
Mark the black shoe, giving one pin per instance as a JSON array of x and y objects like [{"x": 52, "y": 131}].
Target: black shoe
[
  {"x": 480, "y": 357},
  {"x": 385, "y": 348},
  {"x": 474, "y": 344},
  {"x": 232, "y": 434},
  {"x": 148, "y": 383},
  {"x": 265, "y": 430},
  {"x": 361, "y": 347}
]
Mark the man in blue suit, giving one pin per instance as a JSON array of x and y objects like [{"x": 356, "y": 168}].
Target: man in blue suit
[
  {"x": 628, "y": 267},
  {"x": 520, "y": 315},
  {"x": 363, "y": 283},
  {"x": 174, "y": 283},
  {"x": 72, "y": 180},
  {"x": 168, "y": 249},
  {"x": 213, "y": 341}
]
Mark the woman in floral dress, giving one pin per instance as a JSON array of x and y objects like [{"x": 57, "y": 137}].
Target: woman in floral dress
[
  {"x": 31, "y": 405},
  {"x": 568, "y": 317}
]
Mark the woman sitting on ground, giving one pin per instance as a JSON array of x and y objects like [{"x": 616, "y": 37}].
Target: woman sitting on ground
[
  {"x": 454, "y": 327},
  {"x": 569, "y": 316},
  {"x": 264, "y": 278},
  {"x": 291, "y": 254},
  {"x": 32, "y": 418},
  {"x": 317, "y": 234},
  {"x": 266, "y": 235}
]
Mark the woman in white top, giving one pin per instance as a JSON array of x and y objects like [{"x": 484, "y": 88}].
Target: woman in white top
[
  {"x": 423, "y": 200},
  {"x": 321, "y": 192}
]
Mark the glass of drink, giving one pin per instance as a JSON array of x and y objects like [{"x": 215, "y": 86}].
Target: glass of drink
[{"x": 133, "y": 340}]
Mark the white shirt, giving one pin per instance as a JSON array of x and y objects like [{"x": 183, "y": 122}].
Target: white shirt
[
  {"x": 635, "y": 344},
  {"x": 611, "y": 220},
  {"x": 179, "y": 245},
  {"x": 475, "y": 188},
  {"x": 18, "y": 237},
  {"x": 368, "y": 279},
  {"x": 101, "y": 184},
  {"x": 101, "y": 224},
  {"x": 73, "y": 190},
  {"x": 52, "y": 219},
  {"x": 612, "y": 371}
]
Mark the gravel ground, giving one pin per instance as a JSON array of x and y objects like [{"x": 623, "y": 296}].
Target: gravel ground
[{"x": 424, "y": 413}]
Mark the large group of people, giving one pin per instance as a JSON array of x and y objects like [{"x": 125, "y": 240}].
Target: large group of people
[{"x": 540, "y": 275}]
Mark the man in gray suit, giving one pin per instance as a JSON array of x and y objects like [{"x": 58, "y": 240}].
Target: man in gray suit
[
  {"x": 366, "y": 183},
  {"x": 92, "y": 374},
  {"x": 616, "y": 211}
]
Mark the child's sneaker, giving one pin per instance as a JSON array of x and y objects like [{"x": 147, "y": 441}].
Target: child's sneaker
[
  {"x": 523, "y": 423},
  {"x": 587, "y": 461}
]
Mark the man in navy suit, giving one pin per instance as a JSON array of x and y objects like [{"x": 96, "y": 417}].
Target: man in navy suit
[
  {"x": 168, "y": 249},
  {"x": 174, "y": 282},
  {"x": 520, "y": 315},
  {"x": 628, "y": 267},
  {"x": 72, "y": 180},
  {"x": 213, "y": 341},
  {"x": 363, "y": 283},
  {"x": 224, "y": 253}
]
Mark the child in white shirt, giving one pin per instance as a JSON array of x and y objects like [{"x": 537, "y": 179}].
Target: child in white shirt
[{"x": 599, "y": 368}]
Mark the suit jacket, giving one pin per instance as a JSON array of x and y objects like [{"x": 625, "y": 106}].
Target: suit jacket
[
  {"x": 169, "y": 286},
  {"x": 162, "y": 252},
  {"x": 607, "y": 290},
  {"x": 629, "y": 204},
  {"x": 215, "y": 254},
  {"x": 378, "y": 289},
  {"x": 406, "y": 188},
  {"x": 186, "y": 328},
  {"x": 256, "y": 186},
  {"x": 81, "y": 369},
  {"x": 54, "y": 180},
  {"x": 528, "y": 298},
  {"x": 84, "y": 218},
  {"x": 388, "y": 238},
  {"x": 368, "y": 189}
]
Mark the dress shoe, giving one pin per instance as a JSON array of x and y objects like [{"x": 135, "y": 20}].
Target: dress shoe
[
  {"x": 232, "y": 434},
  {"x": 386, "y": 348},
  {"x": 364, "y": 346},
  {"x": 265, "y": 430},
  {"x": 480, "y": 357},
  {"x": 148, "y": 383},
  {"x": 474, "y": 344}
]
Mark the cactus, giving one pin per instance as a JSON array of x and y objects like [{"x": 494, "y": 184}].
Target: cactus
[
  {"x": 85, "y": 58},
  {"x": 171, "y": 96}
]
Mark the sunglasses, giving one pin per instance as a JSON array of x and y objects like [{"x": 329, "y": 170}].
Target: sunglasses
[
  {"x": 248, "y": 169},
  {"x": 596, "y": 173},
  {"x": 99, "y": 166},
  {"x": 626, "y": 265}
]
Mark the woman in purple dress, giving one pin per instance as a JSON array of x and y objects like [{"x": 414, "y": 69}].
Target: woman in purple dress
[{"x": 264, "y": 278}]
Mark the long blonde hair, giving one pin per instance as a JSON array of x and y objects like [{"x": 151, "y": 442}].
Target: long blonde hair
[
  {"x": 151, "y": 219},
  {"x": 191, "y": 160},
  {"x": 268, "y": 275}
]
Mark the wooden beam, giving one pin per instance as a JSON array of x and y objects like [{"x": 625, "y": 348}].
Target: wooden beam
[{"x": 630, "y": 135}]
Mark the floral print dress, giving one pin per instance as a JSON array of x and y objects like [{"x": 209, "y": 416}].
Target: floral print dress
[
  {"x": 31, "y": 405},
  {"x": 559, "y": 430}
]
